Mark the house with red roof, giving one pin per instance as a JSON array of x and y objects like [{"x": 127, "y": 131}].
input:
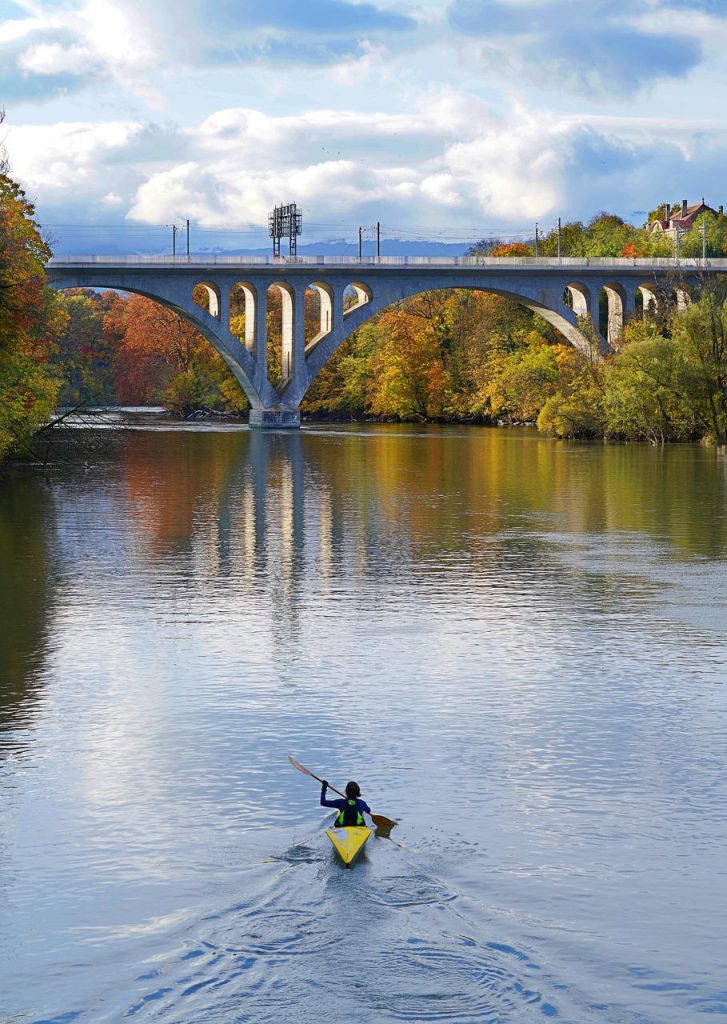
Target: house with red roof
[{"x": 680, "y": 218}]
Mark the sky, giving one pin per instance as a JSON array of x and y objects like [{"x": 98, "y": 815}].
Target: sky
[{"x": 441, "y": 119}]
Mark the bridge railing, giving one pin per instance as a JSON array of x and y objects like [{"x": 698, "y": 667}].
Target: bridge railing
[{"x": 388, "y": 261}]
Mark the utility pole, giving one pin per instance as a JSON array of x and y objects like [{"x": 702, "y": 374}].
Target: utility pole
[
  {"x": 558, "y": 239},
  {"x": 536, "y": 239},
  {"x": 360, "y": 243},
  {"x": 174, "y": 241},
  {"x": 187, "y": 239},
  {"x": 378, "y": 240}
]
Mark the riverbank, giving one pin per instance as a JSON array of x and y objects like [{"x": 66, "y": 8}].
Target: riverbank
[{"x": 92, "y": 435}]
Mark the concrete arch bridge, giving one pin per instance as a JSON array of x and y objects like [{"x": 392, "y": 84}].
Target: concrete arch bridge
[{"x": 351, "y": 291}]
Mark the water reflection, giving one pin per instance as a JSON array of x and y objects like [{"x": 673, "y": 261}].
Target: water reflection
[
  {"x": 26, "y": 596},
  {"x": 517, "y": 645},
  {"x": 257, "y": 500}
]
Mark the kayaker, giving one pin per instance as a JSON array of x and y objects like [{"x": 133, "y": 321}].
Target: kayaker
[{"x": 351, "y": 810}]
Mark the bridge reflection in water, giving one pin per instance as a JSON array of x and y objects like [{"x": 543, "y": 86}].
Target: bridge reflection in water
[
  {"x": 260, "y": 539},
  {"x": 266, "y": 515}
]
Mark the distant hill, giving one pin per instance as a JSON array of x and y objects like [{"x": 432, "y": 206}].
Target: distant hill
[{"x": 100, "y": 243}]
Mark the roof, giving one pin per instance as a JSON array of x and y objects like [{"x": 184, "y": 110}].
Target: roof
[{"x": 676, "y": 220}]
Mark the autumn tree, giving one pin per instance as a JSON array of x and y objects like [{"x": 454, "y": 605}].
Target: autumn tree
[
  {"x": 512, "y": 249},
  {"x": 163, "y": 358},
  {"x": 30, "y": 318},
  {"x": 410, "y": 380},
  {"x": 524, "y": 378}
]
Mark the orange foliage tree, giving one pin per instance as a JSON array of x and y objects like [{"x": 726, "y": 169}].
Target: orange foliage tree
[
  {"x": 30, "y": 320},
  {"x": 512, "y": 249},
  {"x": 161, "y": 357}
]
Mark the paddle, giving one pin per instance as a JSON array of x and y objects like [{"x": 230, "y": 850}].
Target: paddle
[{"x": 378, "y": 819}]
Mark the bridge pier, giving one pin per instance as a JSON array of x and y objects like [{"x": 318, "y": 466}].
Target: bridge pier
[{"x": 274, "y": 419}]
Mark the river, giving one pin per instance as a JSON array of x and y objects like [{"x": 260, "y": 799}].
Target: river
[{"x": 517, "y": 646}]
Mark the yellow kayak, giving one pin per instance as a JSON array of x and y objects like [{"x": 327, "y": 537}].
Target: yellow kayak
[{"x": 348, "y": 841}]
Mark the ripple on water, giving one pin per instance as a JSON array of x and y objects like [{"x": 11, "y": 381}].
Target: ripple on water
[
  {"x": 458, "y": 979},
  {"x": 246, "y": 968},
  {"x": 408, "y": 891},
  {"x": 273, "y": 933},
  {"x": 300, "y": 854}
]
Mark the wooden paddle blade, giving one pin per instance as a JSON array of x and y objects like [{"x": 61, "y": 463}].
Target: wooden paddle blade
[
  {"x": 378, "y": 819},
  {"x": 382, "y": 822},
  {"x": 300, "y": 767}
]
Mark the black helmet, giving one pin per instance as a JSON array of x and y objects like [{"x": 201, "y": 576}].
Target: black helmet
[{"x": 353, "y": 790}]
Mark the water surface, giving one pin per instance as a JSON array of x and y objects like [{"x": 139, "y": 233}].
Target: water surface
[{"x": 517, "y": 646}]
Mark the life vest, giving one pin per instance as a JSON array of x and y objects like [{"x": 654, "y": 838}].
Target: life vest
[{"x": 350, "y": 815}]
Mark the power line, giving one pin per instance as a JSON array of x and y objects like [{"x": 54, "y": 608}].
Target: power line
[{"x": 416, "y": 233}]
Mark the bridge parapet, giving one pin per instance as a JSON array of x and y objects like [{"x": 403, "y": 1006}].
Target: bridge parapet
[{"x": 214, "y": 260}]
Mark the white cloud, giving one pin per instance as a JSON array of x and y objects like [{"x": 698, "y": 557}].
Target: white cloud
[
  {"x": 122, "y": 41},
  {"x": 443, "y": 189},
  {"x": 18, "y": 28},
  {"x": 357, "y": 70},
  {"x": 54, "y": 59},
  {"x": 449, "y": 161},
  {"x": 516, "y": 171},
  {"x": 600, "y": 49},
  {"x": 68, "y": 156}
]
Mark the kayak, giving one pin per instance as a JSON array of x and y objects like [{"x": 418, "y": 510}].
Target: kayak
[{"x": 349, "y": 841}]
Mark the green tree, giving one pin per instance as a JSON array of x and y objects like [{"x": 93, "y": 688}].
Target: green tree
[
  {"x": 572, "y": 240},
  {"x": 606, "y": 235},
  {"x": 669, "y": 381},
  {"x": 575, "y": 409},
  {"x": 641, "y": 394},
  {"x": 523, "y": 379},
  {"x": 342, "y": 386},
  {"x": 84, "y": 354},
  {"x": 700, "y": 337},
  {"x": 709, "y": 229}
]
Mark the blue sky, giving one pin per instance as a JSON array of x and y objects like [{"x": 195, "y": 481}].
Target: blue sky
[{"x": 440, "y": 118}]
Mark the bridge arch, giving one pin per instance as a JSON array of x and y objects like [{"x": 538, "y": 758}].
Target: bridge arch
[
  {"x": 244, "y": 296},
  {"x": 290, "y": 314},
  {"x": 208, "y": 296},
  {"x": 326, "y": 299},
  {"x": 649, "y": 296},
  {"x": 578, "y": 298},
  {"x": 361, "y": 295},
  {"x": 683, "y": 294},
  {"x": 373, "y": 301},
  {"x": 615, "y": 313},
  {"x": 197, "y": 316}
]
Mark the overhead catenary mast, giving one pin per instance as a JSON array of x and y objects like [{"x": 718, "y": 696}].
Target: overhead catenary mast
[{"x": 285, "y": 222}]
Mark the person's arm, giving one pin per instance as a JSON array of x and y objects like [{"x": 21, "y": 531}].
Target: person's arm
[
  {"x": 339, "y": 804},
  {"x": 366, "y": 807}
]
